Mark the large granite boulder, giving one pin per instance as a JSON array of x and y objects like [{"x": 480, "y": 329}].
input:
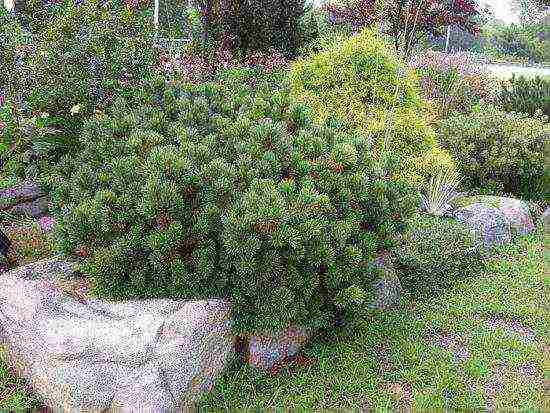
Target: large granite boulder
[
  {"x": 515, "y": 211},
  {"x": 81, "y": 353},
  {"x": 490, "y": 225},
  {"x": 24, "y": 199}
]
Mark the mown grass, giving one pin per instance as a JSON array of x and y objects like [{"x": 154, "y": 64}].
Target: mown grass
[{"x": 435, "y": 353}]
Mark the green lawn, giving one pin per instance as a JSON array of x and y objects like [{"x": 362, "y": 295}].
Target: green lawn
[{"x": 484, "y": 343}]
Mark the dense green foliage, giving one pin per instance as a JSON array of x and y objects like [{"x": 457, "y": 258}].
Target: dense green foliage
[
  {"x": 244, "y": 27},
  {"x": 435, "y": 253},
  {"x": 261, "y": 25},
  {"x": 60, "y": 75},
  {"x": 525, "y": 95},
  {"x": 516, "y": 42},
  {"x": 498, "y": 152},
  {"x": 229, "y": 189},
  {"x": 452, "y": 83},
  {"x": 361, "y": 80}
]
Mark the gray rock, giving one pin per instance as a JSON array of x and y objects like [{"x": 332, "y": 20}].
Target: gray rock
[
  {"x": 270, "y": 348},
  {"x": 515, "y": 211},
  {"x": 25, "y": 199},
  {"x": 388, "y": 291},
  {"x": 88, "y": 353},
  {"x": 35, "y": 209},
  {"x": 23, "y": 192},
  {"x": 490, "y": 225},
  {"x": 52, "y": 269}
]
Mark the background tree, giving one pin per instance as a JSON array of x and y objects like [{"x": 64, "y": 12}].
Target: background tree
[
  {"x": 255, "y": 25},
  {"x": 530, "y": 11},
  {"x": 407, "y": 20}
]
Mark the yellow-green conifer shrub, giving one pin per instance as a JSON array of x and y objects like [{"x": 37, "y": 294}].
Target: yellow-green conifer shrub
[{"x": 363, "y": 81}]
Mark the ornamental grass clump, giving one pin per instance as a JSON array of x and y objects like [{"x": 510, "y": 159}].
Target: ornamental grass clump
[{"x": 228, "y": 189}]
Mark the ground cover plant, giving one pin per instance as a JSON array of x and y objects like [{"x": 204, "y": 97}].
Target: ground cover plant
[{"x": 436, "y": 253}]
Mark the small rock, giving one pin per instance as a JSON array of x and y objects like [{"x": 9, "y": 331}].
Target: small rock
[
  {"x": 23, "y": 192},
  {"x": 25, "y": 199},
  {"x": 387, "y": 287},
  {"x": 51, "y": 269},
  {"x": 268, "y": 349},
  {"x": 35, "y": 209},
  {"x": 388, "y": 291},
  {"x": 516, "y": 211}
]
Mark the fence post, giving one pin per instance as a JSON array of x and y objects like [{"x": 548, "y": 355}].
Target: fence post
[
  {"x": 156, "y": 19},
  {"x": 448, "y": 38}
]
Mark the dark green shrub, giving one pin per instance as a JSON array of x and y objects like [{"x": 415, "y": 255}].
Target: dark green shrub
[
  {"x": 525, "y": 95},
  {"x": 228, "y": 189},
  {"x": 497, "y": 152},
  {"x": 262, "y": 25},
  {"x": 515, "y": 42},
  {"x": 58, "y": 77},
  {"x": 435, "y": 252},
  {"x": 250, "y": 26}
]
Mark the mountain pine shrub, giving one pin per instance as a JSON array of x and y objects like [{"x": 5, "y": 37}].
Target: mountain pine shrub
[
  {"x": 228, "y": 189},
  {"x": 363, "y": 81}
]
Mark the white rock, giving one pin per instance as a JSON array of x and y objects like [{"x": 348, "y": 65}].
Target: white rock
[{"x": 144, "y": 354}]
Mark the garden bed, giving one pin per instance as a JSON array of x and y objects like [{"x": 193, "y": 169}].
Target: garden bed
[{"x": 481, "y": 344}]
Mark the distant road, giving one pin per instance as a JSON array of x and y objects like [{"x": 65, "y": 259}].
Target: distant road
[{"x": 507, "y": 70}]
